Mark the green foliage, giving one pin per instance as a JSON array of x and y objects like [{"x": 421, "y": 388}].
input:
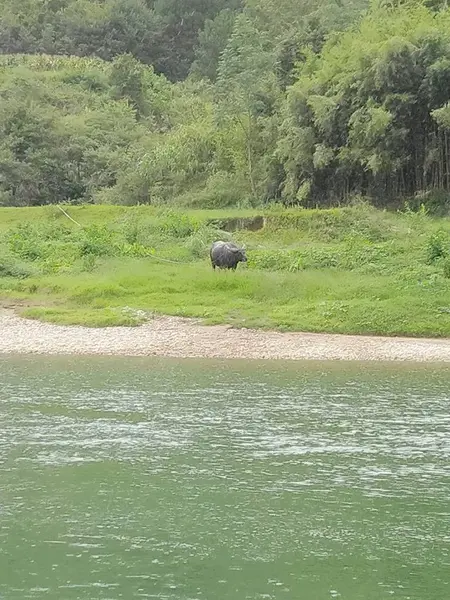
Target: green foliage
[
  {"x": 438, "y": 246},
  {"x": 177, "y": 225},
  {"x": 336, "y": 224},
  {"x": 446, "y": 268},
  {"x": 374, "y": 108},
  {"x": 89, "y": 263},
  {"x": 97, "y": 240},
  {"x": 66, "y": 125},
  {"x": 306, "y": 104},
  {"x": 352, "y": 270},
  {"x": 360, "y": 256},
  {"x": 54, "y": 247},
  {"x": 108, "y": 28},
  {"x": 199, "y": 243},
  {"x": 127, "y": 82},
  {"x": 213, "y": 40},
  {"x": 11, "y": 267}
]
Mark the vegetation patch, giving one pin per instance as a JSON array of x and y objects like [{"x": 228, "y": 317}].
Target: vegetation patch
[
  {"x": 226, "y": 104},
  {"x": 381, "y": 273}
]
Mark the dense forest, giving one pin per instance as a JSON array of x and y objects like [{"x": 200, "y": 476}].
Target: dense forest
[{"x": 216, "y": 103}]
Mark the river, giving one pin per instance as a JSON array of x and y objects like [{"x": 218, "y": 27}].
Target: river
[{"x": 185, "y": 480}]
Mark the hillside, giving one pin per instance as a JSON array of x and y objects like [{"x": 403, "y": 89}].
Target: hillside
[{"x": 225, "y": 103}]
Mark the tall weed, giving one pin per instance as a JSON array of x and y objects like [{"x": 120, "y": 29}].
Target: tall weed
[
  {"x": 11, "y": 267},
  {"x": 438, "y": 246}
]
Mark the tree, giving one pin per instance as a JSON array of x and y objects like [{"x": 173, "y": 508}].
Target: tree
[
  {"x": 127, "y": 82},
  {"x": 62, "y": 135},
  {"x": 372, "y": 107},
  {"x": 212, "y": 41},
  {"x": 162, "y": 33},
  {"x": 246, "y": 88}
]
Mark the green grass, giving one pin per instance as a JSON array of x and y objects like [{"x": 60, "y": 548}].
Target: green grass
[
  {"x": 352, "y": 270},
  {"x": 99, "y": 214}
]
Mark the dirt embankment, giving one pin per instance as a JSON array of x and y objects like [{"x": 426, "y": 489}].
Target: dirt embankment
[{"x": 186, "y": 338}]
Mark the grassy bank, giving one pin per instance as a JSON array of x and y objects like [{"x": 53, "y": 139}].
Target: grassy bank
[{"x": 349, "y": 270}]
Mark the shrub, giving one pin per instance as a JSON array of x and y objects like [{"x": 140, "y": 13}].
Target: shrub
[
  {"x": 135, "y": 250},
  {"x": 333, "y": 224},
  {"x": 200, "y": 241},
  {"x": 177, "y": 225},
  {"x": 98, "y": 241},
  {"x": 131, "y": 229},
  {"x": 221, "y": 190},
  {"x": 24, "y": 241},
  {"x": 275, "y": 260},
  {"x": 9, "y": 267},
  {"x": 437, "y": 247},
  {"x": 38, "y": 242}
]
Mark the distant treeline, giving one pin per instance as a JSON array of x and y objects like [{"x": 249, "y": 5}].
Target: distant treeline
[{"x": 217, "y": 103}]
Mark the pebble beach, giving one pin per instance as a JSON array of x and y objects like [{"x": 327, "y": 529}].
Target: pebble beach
[{"x": 187, "y": 338}]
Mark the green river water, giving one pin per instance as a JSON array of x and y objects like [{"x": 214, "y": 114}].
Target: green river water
[{"x": 186, "y": 480}]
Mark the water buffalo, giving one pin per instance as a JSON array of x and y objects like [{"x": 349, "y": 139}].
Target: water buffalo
[{"x": 226, "y": 255}]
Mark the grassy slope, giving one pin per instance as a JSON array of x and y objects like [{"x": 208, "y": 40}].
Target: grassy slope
[
  {"x": 89, "y": 214},
  {"x": 344, "y": 270}
]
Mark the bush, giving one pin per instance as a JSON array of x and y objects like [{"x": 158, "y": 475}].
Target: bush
[
  {"x": 135, "y": 250},
  {"x": 24, "y": 242},
  {"x": 177, "y": 225},
  {"x": 221, "y": 190},
  {"x": 9, "y": 267},
  {"x": 98, "y": 241},
  {"x": 353, "y": 255},
  {"x": 434, "y": 202},
  {"x": 131, "y": 229},
  {"x": 357, "y": 253},
  {"x": 200, "y": 241},
  {"x": 38, "y": 242},
  {"x": 437, "y": 247},
  {"x": 275, "y": 260},
  {"x": 335, "y": 224}
]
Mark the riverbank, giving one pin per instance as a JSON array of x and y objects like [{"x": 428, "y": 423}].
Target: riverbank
[
  {"x": 187, "y": 338},
  {"x": 352, "y": 270}
]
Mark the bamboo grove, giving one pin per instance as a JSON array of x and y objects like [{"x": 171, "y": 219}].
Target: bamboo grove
[{"x": 224, "y": 103}]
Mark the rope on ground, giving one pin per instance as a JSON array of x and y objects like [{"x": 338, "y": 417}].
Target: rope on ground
[
  {"x": 68, "y": 216},
  {"x": 173, "y": 262}
]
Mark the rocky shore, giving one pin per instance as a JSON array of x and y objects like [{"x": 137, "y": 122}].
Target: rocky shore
[{"x": 187, "y": 338}]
